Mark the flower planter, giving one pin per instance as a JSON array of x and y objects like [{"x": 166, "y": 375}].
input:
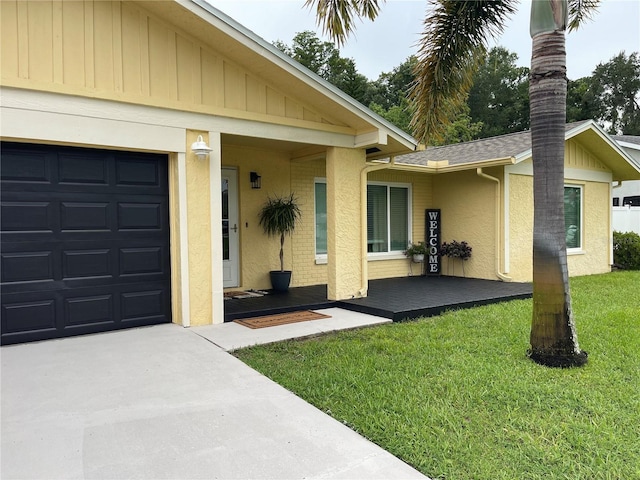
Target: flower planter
[{"x": 280, "y": 280}]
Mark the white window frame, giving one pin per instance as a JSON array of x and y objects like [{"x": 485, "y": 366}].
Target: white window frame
[
  {"x": 373, "y": 256},
  {"x": 393, "y": 254},
  {"x": 577, "y": 250}
]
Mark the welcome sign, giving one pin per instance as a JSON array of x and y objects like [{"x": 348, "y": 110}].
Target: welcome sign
[{"x": 432, "y": 236}]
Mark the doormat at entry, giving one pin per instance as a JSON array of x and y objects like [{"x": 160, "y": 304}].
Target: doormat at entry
[
  {"x": 281, "y": 319},
  {"x": 239, "y": 294}
]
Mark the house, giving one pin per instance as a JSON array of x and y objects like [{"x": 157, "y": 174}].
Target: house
[
  {"x": 628, "y": 193},
  {"x": 484, "y": 189},
  {"x": 109, "y": 218},
  {"x": 140, "y": 139}
]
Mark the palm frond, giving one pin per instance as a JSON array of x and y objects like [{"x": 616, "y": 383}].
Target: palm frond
[
  {"x": 336, "y": 17},
  {"x": 581, "y": 11},
  {"x": 452, "y": 46}
]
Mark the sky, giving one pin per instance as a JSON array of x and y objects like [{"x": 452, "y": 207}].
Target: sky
[{"x": 380, "y": 46}]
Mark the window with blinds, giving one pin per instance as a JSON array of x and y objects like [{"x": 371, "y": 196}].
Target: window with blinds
[
  {"x": 573, "y": 216},
  {"x": 388, "y": 217}
]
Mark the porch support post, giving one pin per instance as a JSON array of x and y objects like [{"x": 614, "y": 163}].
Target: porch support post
[{"x": 345, "y": 275}]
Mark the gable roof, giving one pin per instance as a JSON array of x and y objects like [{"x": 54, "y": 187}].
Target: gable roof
[
  {"x": 516, "y": 147},
  {"x": 277, "y": 67}
]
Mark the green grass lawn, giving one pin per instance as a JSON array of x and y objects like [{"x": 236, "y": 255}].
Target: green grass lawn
[{"x": 456, "y": 397}]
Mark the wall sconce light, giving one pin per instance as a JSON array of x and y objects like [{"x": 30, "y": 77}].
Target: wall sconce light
[
  {"x": 200, "y": 148},
  {"x": 256, "y": 180}
]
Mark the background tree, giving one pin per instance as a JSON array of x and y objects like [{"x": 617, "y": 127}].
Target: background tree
[
  {"x": 452, "y": 47},
  {"x": 615, "y": 87},
  {"x": 499, "y": 96},
  {"x": 324, "y": 59},
  {"x": 580, "y": 100},
  {"x": 461, "y": 129}
]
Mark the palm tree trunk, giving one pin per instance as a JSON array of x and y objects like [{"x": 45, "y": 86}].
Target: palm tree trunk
[{"x": 554, "y": 341}]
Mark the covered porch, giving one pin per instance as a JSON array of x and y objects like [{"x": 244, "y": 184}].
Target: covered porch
[{"x": 397, "y": 299}]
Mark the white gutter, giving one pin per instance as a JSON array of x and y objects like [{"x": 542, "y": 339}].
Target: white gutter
[
  {"x": 364, "y": 286},
  {"x": 502, "y": 276}
]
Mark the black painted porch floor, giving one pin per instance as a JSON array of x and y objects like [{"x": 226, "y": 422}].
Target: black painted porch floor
[{"x": 395, "y": 298}]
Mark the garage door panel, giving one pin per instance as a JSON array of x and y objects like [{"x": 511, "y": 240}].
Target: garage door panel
[
  {"x": 139, "y": 261},
  {"x": 84, "y": 216},
  {"x": 29, "y": 315},
  {"x": 85, "y": 241},
  {"x": 87, "y": 169},
  {"x": 26, "y": 167},
  {"x": 87, "y": 263},
  {"x": 140, "y": 216},
  {"x": 91, "y": 309},
  {"x": 26, "y": 216},
  {"x": 141, "y": 305},
  {"x": 27, "y": 266},
  {"x": 138, "y": 172}
]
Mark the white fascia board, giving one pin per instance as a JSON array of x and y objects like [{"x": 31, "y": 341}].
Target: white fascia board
[
  {"x": 632, "y": 146},
  {"x": 372, "y": 138},
  {"x": 256, "y": 43},
  {"x": 105, "y": 115}
]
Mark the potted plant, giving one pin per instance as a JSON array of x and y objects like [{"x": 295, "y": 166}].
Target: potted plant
[
  {"x": 454, "y": 249},
  {"x": 416, "y": 251},
  {"x": 278, "y": 217}
]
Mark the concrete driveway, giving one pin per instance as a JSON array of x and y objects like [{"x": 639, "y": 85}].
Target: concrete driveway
[{"x": 164, "y": 402}]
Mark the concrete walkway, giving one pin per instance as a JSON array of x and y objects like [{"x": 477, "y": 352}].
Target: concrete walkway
[{"x": 169, "y": 402}]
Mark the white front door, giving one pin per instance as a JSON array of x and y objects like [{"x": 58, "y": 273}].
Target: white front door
[{"x": 230, "y": 228}]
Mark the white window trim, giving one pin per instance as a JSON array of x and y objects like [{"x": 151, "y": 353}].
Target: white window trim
[
  {"x": 578, "y": 250},
  {"x": 394, "y": 254},
  {"x": 321, "y": 259}
]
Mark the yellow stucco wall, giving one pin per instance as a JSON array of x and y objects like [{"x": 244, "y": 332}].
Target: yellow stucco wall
[
  {"x": 468, "y": 214},
  {"x": 596, "y": 241},
  {"x": 198, "y": 222},
  {"x": 521, "y": 227},
  {"x": 594, "y": 256},
  {"x": 121, "y": 51}
]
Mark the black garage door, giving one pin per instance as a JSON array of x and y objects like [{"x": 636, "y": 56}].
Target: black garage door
[{"x": 85, "y": 241}]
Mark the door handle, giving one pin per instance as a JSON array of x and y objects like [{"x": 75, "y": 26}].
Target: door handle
[{"x": 234, "y": 228}]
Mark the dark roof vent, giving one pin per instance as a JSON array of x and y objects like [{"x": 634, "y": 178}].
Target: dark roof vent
[{"x": 373, "y": 150}]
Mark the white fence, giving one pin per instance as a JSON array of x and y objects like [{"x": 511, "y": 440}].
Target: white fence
[{"x": 626, "y": 219}]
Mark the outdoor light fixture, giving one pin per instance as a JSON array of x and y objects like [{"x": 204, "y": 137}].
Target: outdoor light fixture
[
  {"x": 256, "y": 180},
  {"x": 200, "y": 148}
]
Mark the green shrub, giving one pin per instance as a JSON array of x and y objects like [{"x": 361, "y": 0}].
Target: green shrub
[{"x": 626, "y": 250}]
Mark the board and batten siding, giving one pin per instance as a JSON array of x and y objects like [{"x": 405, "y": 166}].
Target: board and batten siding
[{"x": 120, "y": 51}]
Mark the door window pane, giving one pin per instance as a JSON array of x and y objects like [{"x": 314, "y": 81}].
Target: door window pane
[
  {"x": 225, "y": 219},
  {"x": 321, "y": 218}
]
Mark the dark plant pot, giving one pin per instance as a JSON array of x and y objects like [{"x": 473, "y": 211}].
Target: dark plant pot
[{"x": 280, "y": 280}]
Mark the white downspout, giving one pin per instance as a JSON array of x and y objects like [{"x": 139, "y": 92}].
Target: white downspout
[
  {"x": 499, "y": 274},
  {"x": 363, "y": 221}
]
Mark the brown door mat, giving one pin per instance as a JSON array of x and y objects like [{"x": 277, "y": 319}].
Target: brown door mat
[{"x": 281, "y": 319}]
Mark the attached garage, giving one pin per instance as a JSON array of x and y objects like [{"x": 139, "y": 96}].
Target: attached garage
[{"x": 85, "y": 241}]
